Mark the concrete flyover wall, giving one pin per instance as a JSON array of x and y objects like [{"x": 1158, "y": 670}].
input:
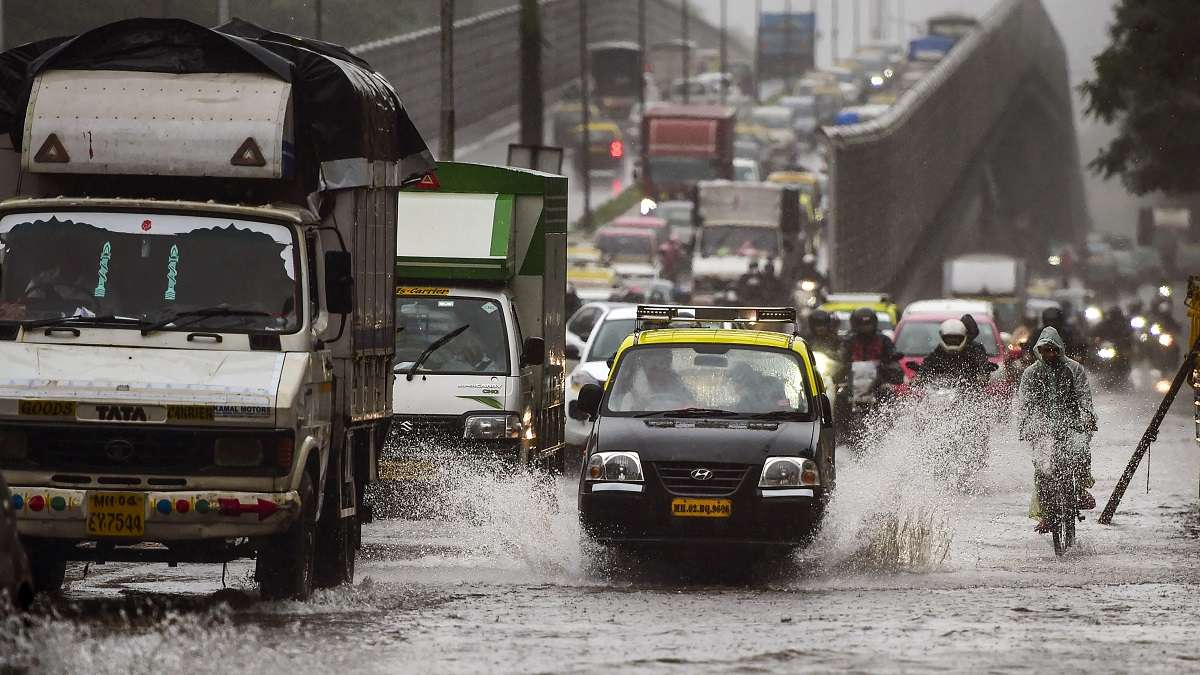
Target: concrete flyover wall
[
  {"x": 486, "y": 58},
  {"x": 980, "y": 156}
]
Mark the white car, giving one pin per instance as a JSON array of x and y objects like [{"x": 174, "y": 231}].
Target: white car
[
  {"x": 584, "y": 321},
  {"x": 745, "y": 170},
  {"x": 611, "y": 328}
]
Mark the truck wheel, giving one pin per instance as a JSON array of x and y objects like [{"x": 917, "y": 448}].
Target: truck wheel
[
  {"x": 337, "y": 543},
  {"x": 47, "y": 565},
  {"x": 284, "y": 568}
]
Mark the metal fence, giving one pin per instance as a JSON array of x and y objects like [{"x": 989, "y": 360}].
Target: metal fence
[
  {"x": 979, "y": 156},
  {"x": 486, "y": 58}
]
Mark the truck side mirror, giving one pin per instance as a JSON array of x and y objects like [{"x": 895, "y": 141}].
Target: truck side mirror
[
  {"x": 533, "y": 352},
  {"x": 339, "y": 282},
  {"x": 826, "y": 411},
  {"x": 589, "y": 399},
  {"x": 571, "y": 353}
]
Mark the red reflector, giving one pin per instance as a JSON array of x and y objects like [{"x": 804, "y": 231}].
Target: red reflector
[
  {"x": 233, "y": 507},
  {"x": 37, "y": 503},
  {"x": 428, "y": 182},
  {"x": 182, "y": 505},
  {"x": 616, "y": 149}
]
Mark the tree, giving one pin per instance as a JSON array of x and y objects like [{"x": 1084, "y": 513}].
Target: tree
[{"x": 1148, "y": 84}]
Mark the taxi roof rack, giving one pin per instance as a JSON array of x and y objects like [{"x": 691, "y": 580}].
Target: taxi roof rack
[{"x": 670, "y": 314}]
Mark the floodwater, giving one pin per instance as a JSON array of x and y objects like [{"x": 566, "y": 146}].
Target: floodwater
[{"x": 913, "y": 572}]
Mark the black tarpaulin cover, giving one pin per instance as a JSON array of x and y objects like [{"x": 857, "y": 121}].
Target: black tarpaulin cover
[{"x": 343, "y": 108}]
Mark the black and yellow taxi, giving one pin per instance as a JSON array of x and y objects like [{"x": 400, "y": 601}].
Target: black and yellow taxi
[{"x": 712, "y": 428}]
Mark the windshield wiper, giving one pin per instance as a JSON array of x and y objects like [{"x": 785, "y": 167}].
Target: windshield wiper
[
  {"x": 689, "y": 412},
  {"x": 219, "y": 310},
  {"x": 433, "y": 347},
  {"x": 82, "y": 318},
  {"x": 776, "y": 415}
]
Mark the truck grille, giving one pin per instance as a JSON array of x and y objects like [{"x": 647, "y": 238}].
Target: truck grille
[
  {"x": 676, "y": 478},
  {"x": 124, "y": 450}
]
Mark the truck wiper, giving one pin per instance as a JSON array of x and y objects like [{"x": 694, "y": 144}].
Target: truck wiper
[
  {"x": 775, "y": 415},
  {"x": 433, "y": 347},
  {"x": 689, "y": 412},
  {"x": 82, "y": 318},
  {"x": 219, "y": 310}
]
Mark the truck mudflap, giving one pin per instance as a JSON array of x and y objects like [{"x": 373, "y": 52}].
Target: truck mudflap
[{"x": 133, "y": 516}]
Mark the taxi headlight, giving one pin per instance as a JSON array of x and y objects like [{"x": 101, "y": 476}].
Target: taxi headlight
[
  {"x": 619, "y": 466},
  {"x": 14, "y": 445},
  {"x": 492, "y": 427},
  {"x": 781, "y": 472},
  {"x": 238, "y": 451}
]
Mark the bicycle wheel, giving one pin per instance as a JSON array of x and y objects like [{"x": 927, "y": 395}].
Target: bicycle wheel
[
  {"x": 1069, "y": 530},
  {"x": 1056, "y": 533}
]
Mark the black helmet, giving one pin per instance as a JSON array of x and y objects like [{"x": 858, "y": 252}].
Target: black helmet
[
  {"x": 1052, "y": 316},
  {"x": 971, "y": 325},
  {"x": 820, "y": 322},
  {"x": 863, "y": 321}
]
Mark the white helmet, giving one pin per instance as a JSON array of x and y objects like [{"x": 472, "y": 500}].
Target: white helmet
[{"x": 953, "y": 335}]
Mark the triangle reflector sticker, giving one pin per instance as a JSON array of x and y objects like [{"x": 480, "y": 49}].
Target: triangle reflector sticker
[
  {"x": 248, "y": 154},
  {"x": 428, "y": 182},
  {"x": 52, "y": 152}
]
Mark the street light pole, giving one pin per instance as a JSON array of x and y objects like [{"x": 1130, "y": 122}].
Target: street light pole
[
  {"x": 531, "y": 104},
  {"x": 446, "y": 137},
  {"x": 724, "y": 63},
  {"x": 687, "y": 49},
  {"x": 787, "y": 45},
  {"x": 585, "y": 168},
  {"x": 757, "y": 49}
]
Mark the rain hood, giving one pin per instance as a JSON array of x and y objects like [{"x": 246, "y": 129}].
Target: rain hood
[{"x": 1050, "y": 336}]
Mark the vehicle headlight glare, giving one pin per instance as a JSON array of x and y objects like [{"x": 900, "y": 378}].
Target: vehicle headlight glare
[
  {"x": 781, "y": 472},
  {"x": 492, "y": 427},
  {"x": 1093, "y": 314},
  {"x": 1107, "y": 353},
  {"x": 1166, "y": 339},
  {"x": 1137, "y": 322},
  {"x": 615, "y": 466},
  {"x": 808, "y": 285},
  {"x": 647, "y": 206}
]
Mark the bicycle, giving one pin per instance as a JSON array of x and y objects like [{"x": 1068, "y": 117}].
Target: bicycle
[{"x": 1058, "y": 494}]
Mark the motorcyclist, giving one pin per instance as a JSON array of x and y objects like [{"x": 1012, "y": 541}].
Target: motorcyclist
[
  {"x": 822, "y": 333},
  {"x": 1057, "y": 415},
  {"x": 750, "y": 285},
  {"x": 866, "y": 343},
  {"x": 952, "y": 359},
  {"x": 1053, "y": 317},
  {"x": 1114, "y": 327}
]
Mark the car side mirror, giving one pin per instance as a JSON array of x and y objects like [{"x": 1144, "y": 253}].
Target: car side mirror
[
  {"x": 533, "y": 352},
  {"x": 571, "y": 353},
  {"x": 826, "y": 411},
  {"x": 339, "y": 282},
  {"x": 589, "y": 399},
  {"x": 574, "y": 412}
]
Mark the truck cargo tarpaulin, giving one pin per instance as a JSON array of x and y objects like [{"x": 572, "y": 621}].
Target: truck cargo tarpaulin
[
  {"x": 740, "y": 202},
  {"x": 346, "y": 114}
]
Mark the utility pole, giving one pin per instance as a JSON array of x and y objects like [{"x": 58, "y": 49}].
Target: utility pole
[
  {"x": 687, "y": 50},
  {"x": 642, "y": 75},
  {"x": 787, "y": 46},
  {"x": 532, "y": 108},
  {"x": 856, "y": 6},
  {"x": 584, "y": 149},
  {"x": 320, "y": 32},
  {"x": 446, "y": 137},
  {"x": 833, "y": 43},
  {"x": 757, "y": 49},
  {"x": 222, "y": 12},
  {"x": 724, "y": 56}
]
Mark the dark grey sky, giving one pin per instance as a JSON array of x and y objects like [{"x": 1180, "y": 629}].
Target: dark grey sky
[{"x": 1081, "y": 23}]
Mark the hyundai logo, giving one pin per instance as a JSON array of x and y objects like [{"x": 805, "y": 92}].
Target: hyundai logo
[
  {"x": 701, "y": 474},
  {"x": 119, "y": 450},
  {"x": 406, "y": 426}
]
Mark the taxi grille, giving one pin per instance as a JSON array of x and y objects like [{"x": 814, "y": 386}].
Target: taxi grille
[{"x": 676, "y": 478}]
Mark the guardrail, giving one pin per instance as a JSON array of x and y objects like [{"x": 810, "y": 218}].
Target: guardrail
[{"x": 980, "y": 155}]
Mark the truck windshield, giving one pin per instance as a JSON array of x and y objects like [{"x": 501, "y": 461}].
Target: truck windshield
[
  {"x": 626, "y": 245},
  {"x": 149, "y": 267},
  {"x": 738, "y": 240},
  {"x": 669, "y": 170},
  {"x": 480, "y": 349},
  {"x": 738, "y": 380}
]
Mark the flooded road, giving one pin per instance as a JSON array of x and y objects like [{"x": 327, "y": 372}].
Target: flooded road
[{"x": 909, "y": 574}]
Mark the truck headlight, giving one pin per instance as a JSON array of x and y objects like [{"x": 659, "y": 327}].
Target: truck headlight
[
  {"x": 14, "y": 445},
  {"x": 492, "y": 427},
  {"x": 789, "y": 472},
  {"x": 239, "y": 451},
  {"x": 620, "y": 466}
]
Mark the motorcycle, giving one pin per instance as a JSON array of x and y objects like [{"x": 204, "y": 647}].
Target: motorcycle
[
  {"x": 1112, "y": 365},
  {"x": 953, "y": 419},
  {"x": 1162, "y": 347},
  {"x": 870, "y": 385}
]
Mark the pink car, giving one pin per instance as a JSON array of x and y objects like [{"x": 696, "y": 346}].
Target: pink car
[{"x": 917, "y": 336}]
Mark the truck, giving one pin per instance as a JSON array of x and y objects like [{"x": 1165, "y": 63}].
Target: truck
[
  {"x": 480, "y": 329},
  {"x": 196, "y": 276},
  {"x": 618, "y": 72},
  {"x": 685, "y": 144},
  {"x": 741, "y": 224},
  {"x": 997, "y": 278}
]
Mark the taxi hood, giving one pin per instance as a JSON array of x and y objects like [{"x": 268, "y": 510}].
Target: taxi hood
[
  {"x": 740, "y": 441},
  {"x": 246, "y": 380}
]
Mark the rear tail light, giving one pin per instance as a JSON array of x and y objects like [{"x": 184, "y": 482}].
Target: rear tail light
[
  {"x": 616, "y": 149},
  {"x": 285, "y": 450}
]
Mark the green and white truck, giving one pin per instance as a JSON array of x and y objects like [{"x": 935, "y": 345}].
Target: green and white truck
[{"x": 480, "y": 293}]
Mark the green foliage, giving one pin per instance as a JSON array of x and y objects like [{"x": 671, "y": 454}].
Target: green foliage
[
  {"x": 617, "y": 206},
  {"x": 1148, "y": 84}
]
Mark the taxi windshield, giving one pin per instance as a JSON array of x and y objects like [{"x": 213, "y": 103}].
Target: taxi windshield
[
  {"x": 734, "y": 380},
  {"x": 202, "y": 272},
  {"x": 480, "y": 348}
]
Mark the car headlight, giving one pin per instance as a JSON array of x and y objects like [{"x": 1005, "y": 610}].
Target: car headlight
[
  {"x": 1137, "y": 322},
  {"x": 239, "y": 451},
  {"x": 789, "y": 472},
  {"x": 808, "y": 285},
  {"x": 826, "y": 366},
  {"x": 1093, "y": 314},
  {"x": 1166, "y": 339},
  {"x": 14, "y": 445},
  {"x": 492, "y": 427},
  {"x": 619, "y": 466},
  {"x": 1107, "y": 352},
  {"x": 1156, "y": 329}
]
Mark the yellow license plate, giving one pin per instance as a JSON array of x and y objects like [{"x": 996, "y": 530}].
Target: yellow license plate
[
  {"x": 116, "y": 514},
  {"x": 414, "y": 470},
  {"x": 701, "y": 508}
]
